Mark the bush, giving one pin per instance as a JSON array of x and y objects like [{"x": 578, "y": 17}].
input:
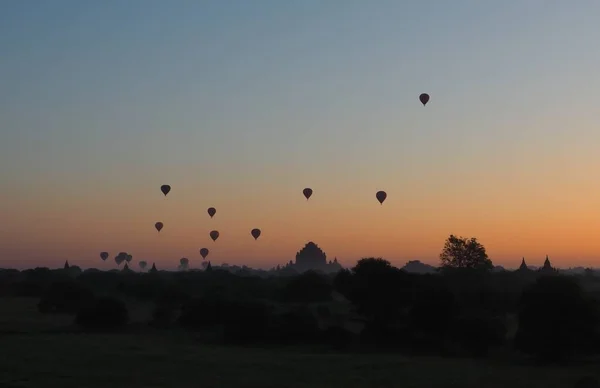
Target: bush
[
  {"x": 163, "y": 315},
  {"x": 338, "y": 337},
  {"x": 65, "y": 297},
  {"x": 556, "y": 319},
  {"x": 292, "y": 327},
  {"x": 587, "y": 382},
  {"x": 246, "y": 322},
  {"x": 379, "y": 291},
  {"x": 308, "y": 287},
  {"x": 201, "y": 312},
  {"x": 242, "y": 321},
  {"x": 103, "y": 313},
  {"x": 478, "y": 333},
  {"x": 432, "y": 311}
]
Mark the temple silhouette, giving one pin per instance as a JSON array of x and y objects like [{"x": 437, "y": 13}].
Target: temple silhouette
[
  {"x": 311, "y": 257},
  {"x": 546, "y": 269}
]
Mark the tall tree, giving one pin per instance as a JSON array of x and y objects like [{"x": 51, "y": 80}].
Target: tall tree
[{"x": 462, "y": 252}]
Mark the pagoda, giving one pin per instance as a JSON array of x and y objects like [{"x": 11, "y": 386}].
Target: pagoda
[
  {"x": 311, "y": 257},
  {"x": 523, "y": 267},
  {"x": 547, "y": 269}
]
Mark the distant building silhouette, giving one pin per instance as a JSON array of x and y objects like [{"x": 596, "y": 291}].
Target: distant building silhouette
[
  {"x": 523, "y": 267},
  {"x": 153, "y": 269},
  {"x": 209, "y": 267},
  {"x": 126, "y": 268},
  {"x": 416, "y": 266},
  {"x": 547, "y": 269},
  {"x": 311, "y": 257},
  {"x": 66, "y": 264}
]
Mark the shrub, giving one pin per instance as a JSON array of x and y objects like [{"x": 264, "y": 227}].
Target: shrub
[
  {"x": 556, "y": 319},
  {"x": 246, "y": 322},
  {"x": 432, "y": 311},
  {"x": 163, "y": 315},
  {"x": 338, "y": 337},
  {"x": 201, "y": 312},
  {"x": 478, "y": 333},
  {"x": 297, "y": 326},
  {"x": 65, "y": 297},
  {"x": 308, "y": 287},
  {"x": 103, "y": 313}
]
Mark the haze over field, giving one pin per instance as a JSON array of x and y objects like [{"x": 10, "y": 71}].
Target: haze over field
[{"x": 241, "y": 105}]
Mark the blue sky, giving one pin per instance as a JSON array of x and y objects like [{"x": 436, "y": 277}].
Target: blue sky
[{"x": 262, "y": 97}]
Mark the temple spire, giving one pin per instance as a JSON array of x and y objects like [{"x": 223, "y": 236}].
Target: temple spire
[{"x": 523, "y": 265}]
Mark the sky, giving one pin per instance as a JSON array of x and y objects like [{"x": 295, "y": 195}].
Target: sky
[{"x": 241, "y": 104}]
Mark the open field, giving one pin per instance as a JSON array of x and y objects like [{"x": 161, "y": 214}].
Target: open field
[{"x": 34, "y": 356}]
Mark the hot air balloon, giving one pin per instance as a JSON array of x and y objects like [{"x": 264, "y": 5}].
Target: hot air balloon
[
  {"x": 104, "y": 255},
  {"x": 381, "y": 196},
  {"x": 142, "y": 264},
  {"x": 158, "y": 226},
  {"x": 212, "y": 211},
  {"x": 424, "y": 98},
  {"x": 255, "y": 233},
  {"x": 214, "y": 235},
  {"x": 307, "y": 192},
  {"x": 121, "y": 257},
  {"x": 128, "y": 258},
  {"x": 204, "y": 252},
  {"x": 165, "y": 189}
]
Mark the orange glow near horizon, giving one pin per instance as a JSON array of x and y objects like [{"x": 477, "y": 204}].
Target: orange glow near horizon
[{"x": 346, "y": 222}]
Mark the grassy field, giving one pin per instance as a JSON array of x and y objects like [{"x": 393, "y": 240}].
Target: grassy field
[{"x": 35, "y": 353}]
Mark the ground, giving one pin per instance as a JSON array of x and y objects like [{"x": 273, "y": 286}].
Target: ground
[{"x": 35, "y": 352}]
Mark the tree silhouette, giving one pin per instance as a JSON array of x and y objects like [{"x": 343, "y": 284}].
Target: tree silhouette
[
  {"x": 462, "y": 252},
  {"x": 379, "y": 290},
  {"x": 556, "y": 319}
]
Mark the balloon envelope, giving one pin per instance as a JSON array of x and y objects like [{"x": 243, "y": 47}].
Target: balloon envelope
[
  {"x": 214, "y": 235},
  {"x": 165, "y": 189},
  {"x": 158, "y": 226},
  {"x": 211, "y": 211},
  {"x": 121, "y": 257},
  {"x": 204, "y": 252},
  {"x": 104, "y": 255},
  {"x": 255, "y": 233},
  {"x": 381, "y": 196},
  {"x": 424, "y": 98},
  {"x": 307, "y": 192}
]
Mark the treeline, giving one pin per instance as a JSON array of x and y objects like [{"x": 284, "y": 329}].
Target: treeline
[{"x": 373, "y": 306}]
